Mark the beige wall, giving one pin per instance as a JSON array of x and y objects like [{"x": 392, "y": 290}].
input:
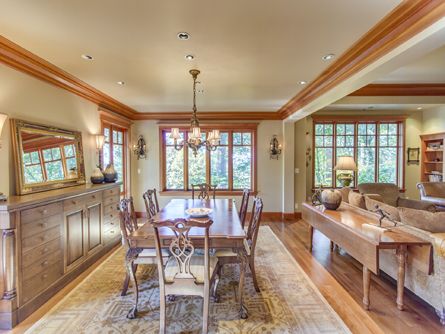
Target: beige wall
[
  {"x": 145, "y": 173},
  {"x": 434, "y": 120},
  {"x": 24, "y": 97},
  {"x": 303, "y": 140}
]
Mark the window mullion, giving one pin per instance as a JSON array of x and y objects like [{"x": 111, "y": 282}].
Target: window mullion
[
  {"x": 186, "y": 162},
  {"x": 377, "y": 151},
  {"x": 334, "y": 154},
  {"x": 230, "y": 157}
]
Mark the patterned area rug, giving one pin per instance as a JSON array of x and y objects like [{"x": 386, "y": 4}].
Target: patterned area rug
[{"x": 288, "y": 301}]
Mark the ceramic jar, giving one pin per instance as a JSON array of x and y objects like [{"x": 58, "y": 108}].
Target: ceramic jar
[
  {"x": 110, "y": 174},
  {"x": 331, "y": 199},
  {"x": 97, "y": 177}
]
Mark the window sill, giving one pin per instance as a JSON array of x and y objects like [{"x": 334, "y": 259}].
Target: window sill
[{"x": 218, "y": 193}]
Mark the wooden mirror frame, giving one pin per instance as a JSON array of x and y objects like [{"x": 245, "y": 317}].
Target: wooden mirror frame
[{"x": 21, "y": 187}]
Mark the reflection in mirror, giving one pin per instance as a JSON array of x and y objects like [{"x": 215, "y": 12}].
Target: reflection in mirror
[{"x": 48, "y": 157}]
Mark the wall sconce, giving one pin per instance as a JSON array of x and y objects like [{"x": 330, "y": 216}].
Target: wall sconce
[
  {"x": 100, "y": 140},
  {"x": 140, "y": 149},
  {"x": 3, "y": 118},
  {"x": 275, "y": 148}
]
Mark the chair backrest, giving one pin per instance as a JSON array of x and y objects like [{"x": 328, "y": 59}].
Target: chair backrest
[
  {"x": 204, "y": 190},
  {"x": 128, "y": 220},
  {"x": 244, "y": 205},
  {"x": 254, "y": 224},
  {"x": 151, "y": 202},
  {"x": 389, "y": 191},
  {"x": 181, "y": 247},
  {"x": 431, "y": 189}
]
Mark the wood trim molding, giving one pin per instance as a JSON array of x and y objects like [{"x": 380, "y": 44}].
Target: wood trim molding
[
  {"x": 404, "y": 22},
  {"x": 209, "y": 116},
  {"x": 110, "y": 117},
  {"x": 354, "y": 118},
  {"x": 406, "y": 89},
  {"x": 211, "y": 126},
  {"x": 25, "y": 61}
]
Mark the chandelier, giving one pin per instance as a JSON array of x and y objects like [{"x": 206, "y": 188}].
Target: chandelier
[{"x": 195, "y": 140}]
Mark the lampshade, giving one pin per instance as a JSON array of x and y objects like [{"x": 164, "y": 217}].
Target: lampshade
[
  {"x": 175, "y": 134},
  {"x": 100, "y": 139},
  {"x": 345, "y": 163},
  {"x": 3, "y": 118}
]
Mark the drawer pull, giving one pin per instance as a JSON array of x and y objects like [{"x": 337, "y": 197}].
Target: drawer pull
[
  {"x": 43, "y": 238},
  {"x": 44, "y": 225},
  {"x": 111, "y": 215},
  {"x": 44, "y": 250},
  {"x": 44, "y": 211},
  {"x": 94, "y": 196},
  {"x": 44, "y": 276},
  {"x": 44, "y": 263},
  {"x": 74, "y": 202}
]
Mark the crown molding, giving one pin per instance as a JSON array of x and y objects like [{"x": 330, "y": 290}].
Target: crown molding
[
  {"x": 405, "y": 89},
  {"x": 209, "y": 116},
  {"x": 404, "y": 22},
  {"x": 25, "y": 61}
]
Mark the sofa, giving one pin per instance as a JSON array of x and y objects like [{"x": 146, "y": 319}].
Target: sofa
[
  {"x": 429, "y": 287},
  {"x": 433, "y": 192}
]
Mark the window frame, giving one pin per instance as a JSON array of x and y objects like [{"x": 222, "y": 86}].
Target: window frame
[
  {"x": 230, "y": 128},
  {"x": 377, "y": 120}
]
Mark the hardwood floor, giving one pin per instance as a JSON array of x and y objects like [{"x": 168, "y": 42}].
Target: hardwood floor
[{"x": 339, "y": 278}]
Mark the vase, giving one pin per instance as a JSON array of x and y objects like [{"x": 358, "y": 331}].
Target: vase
[
  {"x": 97, "y": 177},
  {"x": 110, "y": 174},
  {"x": 331, "y": 199}
]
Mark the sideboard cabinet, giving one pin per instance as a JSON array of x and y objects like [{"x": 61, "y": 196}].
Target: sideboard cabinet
[{"x": 47, "y": 239}]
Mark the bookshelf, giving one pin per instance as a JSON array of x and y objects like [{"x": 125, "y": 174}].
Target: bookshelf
[{"x": 432, "y": 157}]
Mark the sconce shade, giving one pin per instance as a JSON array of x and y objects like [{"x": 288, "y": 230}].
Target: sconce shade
[
  {"x": 100, "y": 139},
  {"x": 345, "y": 163},
  {"x": 3, "y": 118},
  {"x": 175, "y": 134}
]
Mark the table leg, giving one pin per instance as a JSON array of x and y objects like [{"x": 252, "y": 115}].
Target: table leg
[
  {"x": 242, "y": 267},
  {"x": 129, "y": 264},
  {"x": 366, "y": 286},
  {"x": 332, "y": 246},
  {"x": 401, "y": 259},
  {"x": 311, "y": 237}
]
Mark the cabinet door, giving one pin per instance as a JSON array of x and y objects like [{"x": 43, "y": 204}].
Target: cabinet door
[
  {"x": 74, "y": 246},
  {"x": 94, "y": 226}
]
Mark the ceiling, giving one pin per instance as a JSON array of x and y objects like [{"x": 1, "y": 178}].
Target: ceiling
[
  {"x": 252, "y": 53},
  {"x": 427, "y": 69}
]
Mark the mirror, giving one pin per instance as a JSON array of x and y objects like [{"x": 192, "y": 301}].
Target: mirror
[{"x": 46, "y": 157}]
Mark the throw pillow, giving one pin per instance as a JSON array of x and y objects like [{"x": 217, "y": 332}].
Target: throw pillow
[
  {"x": 357, "y": 200},
  {"x": 429, "y": 221},
  {"x": 345, "y": 194}
]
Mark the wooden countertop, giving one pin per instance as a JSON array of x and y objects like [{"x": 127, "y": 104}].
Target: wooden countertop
[{"x": 17, "y": 202}]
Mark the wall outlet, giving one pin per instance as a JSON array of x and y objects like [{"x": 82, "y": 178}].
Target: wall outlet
[
  {"x": 297, "y": 170},
  {"x": 139, "y": 171},
  {"x": 296, "y": 206}
]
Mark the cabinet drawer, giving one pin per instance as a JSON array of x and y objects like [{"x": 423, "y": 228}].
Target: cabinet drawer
[
  {"x": 112, "y": 234},
  {"x": 111, "y": 192},
  {"x": 30, "y": 215},
  {"x": 91, "y": 198},
  {"x": 111, "y": 207},
  {"x": 114, "y": 200},
  {"x": 111, "y": 224},
  {"x": 41, "y": 281},
  {"x": 41, "y": 251},
  {"x": 41, "y": 225},
  {"x": 73, "y": 203},
  {"x": 113, "y": 215},
  {"x": 42, "y": 264},
  {"x": 40, "y": 238}
]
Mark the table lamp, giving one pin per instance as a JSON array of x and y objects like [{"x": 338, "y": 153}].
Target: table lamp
[{"x": 346, "y": 165}]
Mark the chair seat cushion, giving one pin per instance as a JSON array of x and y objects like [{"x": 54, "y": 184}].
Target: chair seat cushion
[
  {"x": 228, "y": 252},
  {"x": 151, "y": 252},
  {"x": 196, "y": 268}
]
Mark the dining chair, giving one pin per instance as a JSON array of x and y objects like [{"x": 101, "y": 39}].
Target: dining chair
[
  {"x": 227, "y": 256},
  {"x": 204, "y": 190},
  {"x": 244, "y": 205},
  {"x": 128, "y": 224},
  {"x": 185, "y": 273},
  {"x": 151, "y": 202}
]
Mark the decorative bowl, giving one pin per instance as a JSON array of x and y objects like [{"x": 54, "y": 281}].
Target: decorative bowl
[{"x": 198, "y": 212}]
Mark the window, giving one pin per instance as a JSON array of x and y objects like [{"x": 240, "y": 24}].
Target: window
[
  {"x": 231, "y": 167},
  {"x": 377, "y": 148},
  {"x": 114, "y": 151}
]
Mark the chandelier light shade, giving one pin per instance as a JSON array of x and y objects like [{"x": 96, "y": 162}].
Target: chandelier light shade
[{"x": 195, "y": 140}]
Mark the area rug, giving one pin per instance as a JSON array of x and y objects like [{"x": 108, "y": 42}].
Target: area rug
[{"x": 288, "y": 301}]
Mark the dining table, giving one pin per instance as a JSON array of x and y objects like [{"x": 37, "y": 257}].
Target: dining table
[{"x": 225, "y": 232}]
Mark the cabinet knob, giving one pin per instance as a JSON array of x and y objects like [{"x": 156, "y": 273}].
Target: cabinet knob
[
  {"x": 44, "y": 263},
  {"x": 44, "y": 250},
  {"x": 73, "y": 202},
  {"x": 44, "y": 224},
  {"x": 94, "y": 196},
  {"x": 44, "y": 276},
  {"x": 44, "y": 211}
]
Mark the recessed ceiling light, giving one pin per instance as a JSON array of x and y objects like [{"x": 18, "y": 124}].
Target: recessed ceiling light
[
  {"x": 302, "y": 82},
  {"x": 87, "y": 57},
  {"x": 121, "y": 83},
  {"x": 183, "y": 36},
  {"x": 419, "y": 108},
  {"x": 327, "y": 57},
  {"x": 189, "y": 57}
]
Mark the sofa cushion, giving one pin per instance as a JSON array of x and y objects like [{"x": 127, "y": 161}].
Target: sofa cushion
[
  {"x": 429, "y": 221},
  {"x": 357, "y": 200},
  {"x": 392, "y": 211},
  {"x": 345, "y": 194},
  {"x": 388, "y": 191}
]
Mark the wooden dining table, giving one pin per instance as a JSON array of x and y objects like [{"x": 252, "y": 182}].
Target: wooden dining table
[{"x": 225, "y": 232}]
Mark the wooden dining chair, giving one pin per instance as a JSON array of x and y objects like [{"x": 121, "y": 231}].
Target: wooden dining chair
[
  {"x": 151, "y": 202},
  {"x": 185, "y": 273},
  {"x": 204, "y": 191},
  {"x": 244, "y": 206},
  {"x": 227, "y": 256},
  {"x": 128, "y": 224}
]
